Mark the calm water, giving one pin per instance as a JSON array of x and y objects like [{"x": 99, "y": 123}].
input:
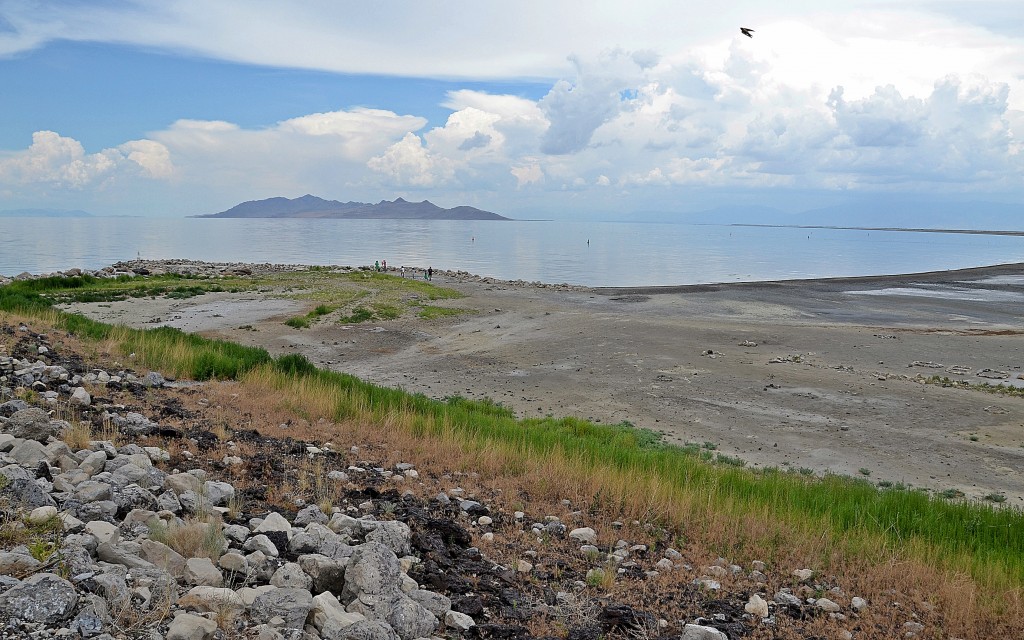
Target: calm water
[{"x": 618, "y": 254}]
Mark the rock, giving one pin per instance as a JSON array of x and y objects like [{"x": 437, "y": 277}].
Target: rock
[
  {"x": 291, "y": 604},
  {"x": 700, "y": 632},
  {"x": 327, "y": 573},
  {"x": 827, "y": 605},
  {"x": 394, "y": 535},
  {"x": 364, "y": 630},
  {"x": 116, "y": 554},
  {"x": 262, "y": 544},
  {"x": 460, "y": 621},
  {"x": 202, "y": 572},
  {"x": 44, "y": 597},
  {"x": 585, "y": 535},
  {"x": 756, "y": 606},
  {"x": 218, "y": 494},
  {"x": 858, "y": 604},
  {"x": 213, "y": 599},
  {"x": 436, "y": 603},
  {"x": 786, "y": 598},
  {"x": 291, "y": 574},
  {"x": 803, "y": 575},
  {"x": 81, "y": 397},
  {"x": 312, "y": 513},
  {"x": 32, "y": 424},
  {"x": 17, "y": 564},
  {"x": 273, "y": 522},
  {"x": 40, "y": 515},
  {"x": 329, "y": 616},
  {"x": 163, "y": 556},
  {"x": 186, "y": 626},
  {"x": 29, "y": 453},
  {"x": 103, "y": 531},
  {"x": 372, "y": 570}
]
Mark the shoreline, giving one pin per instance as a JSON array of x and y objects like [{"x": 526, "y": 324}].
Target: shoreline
[
  {"x": 807, "y": 374},
  {"x": 126, "y": 267}
]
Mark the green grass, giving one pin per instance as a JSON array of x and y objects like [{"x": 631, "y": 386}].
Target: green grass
[
  {"x": 359, "y": 314},
  {"x": 984, "y": 538},
  {"x": 298, "y": 322}
]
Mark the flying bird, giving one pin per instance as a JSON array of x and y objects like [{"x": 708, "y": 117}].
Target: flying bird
[{"x": 747, "y": 32}]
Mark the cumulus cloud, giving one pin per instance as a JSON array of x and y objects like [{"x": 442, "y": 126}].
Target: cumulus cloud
[{"x": 62, "y": 162}]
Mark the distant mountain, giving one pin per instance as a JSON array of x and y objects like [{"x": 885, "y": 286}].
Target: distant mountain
[
  {"x": 313, "y": 207},
  {"x": 44, "y": 213}
]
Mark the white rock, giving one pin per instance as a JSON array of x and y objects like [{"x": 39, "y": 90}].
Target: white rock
[
  {"x": 186, "y": 626},
  {"x": 103, "y": 531},
  {"x": 585, "y": 535},
  {"x": 457, "y": 620},
  {"x": 81, "y": 397},
  {"x": 484, "y": 520},
  {"x": 700, "y": 632},
  {"x": 827, "y": 605},
  {"x": 274, "y": 522},
  {"x": 858, "y": 603},
  {"x": 42, "y": 514},
  {"x": 756, "y": 606}
]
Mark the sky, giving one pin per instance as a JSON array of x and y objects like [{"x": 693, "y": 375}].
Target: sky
[{"x": 564, "y": 109}]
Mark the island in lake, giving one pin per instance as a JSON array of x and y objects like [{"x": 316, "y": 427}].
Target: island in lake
[{"x": 309, "y": 206}]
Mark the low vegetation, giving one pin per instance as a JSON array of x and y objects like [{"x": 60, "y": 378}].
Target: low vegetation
[{"x": 689, "y": 490}]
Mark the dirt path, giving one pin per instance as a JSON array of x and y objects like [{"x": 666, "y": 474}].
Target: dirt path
[{"x": 815, "y": 375}]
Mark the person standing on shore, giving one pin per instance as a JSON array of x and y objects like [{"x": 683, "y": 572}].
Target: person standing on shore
[
  {"x": 376, "y": 265},
  {"x": 384, "y": 266},
  {"x": 430, "y": 273},
  {"x": 403, "y": 270}
]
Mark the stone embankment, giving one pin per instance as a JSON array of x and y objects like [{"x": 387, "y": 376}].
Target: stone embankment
[
  {"x": 201, "y": 269},
  {"x": 105, "y": 538}
]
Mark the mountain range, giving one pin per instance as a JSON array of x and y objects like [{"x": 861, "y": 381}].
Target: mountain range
[
  {"x": 309, "y": 206},
  {"x": 44, "y": 213}
]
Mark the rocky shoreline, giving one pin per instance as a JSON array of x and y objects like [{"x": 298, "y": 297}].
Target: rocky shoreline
[
  {"x": 402, "y": 553},
  {"x": 201, "y": 269}
]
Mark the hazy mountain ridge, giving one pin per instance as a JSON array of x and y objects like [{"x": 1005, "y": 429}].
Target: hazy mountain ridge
[
  {"x": 45, "y": 213},
  {"x": 309, "y": 206}
]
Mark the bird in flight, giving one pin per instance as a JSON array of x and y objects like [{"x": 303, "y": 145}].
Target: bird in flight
[{"x": 747, "y": 32}]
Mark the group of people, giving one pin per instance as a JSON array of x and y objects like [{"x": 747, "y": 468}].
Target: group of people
[{"x": 382, "y": 265}]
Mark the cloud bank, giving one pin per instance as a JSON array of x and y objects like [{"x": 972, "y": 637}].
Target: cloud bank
[{"x": 851, "y": 102}]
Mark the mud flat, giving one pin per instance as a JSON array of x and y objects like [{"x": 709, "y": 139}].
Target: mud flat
[{"x": 823, "y": 375}]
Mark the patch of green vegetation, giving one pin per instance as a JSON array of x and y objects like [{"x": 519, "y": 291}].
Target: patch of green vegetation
[
  {"x": 383, "y": 311},
  {"x": 864, "y": 471},
  {"x": 298, "y": 322},
  {"x": 321, "y": 310},
  {"x": 952, "y": 494},
  {"x": 359, "y": 314},
  {"x": 998, "y": 389}
]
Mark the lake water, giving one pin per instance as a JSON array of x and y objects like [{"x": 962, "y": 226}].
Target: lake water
[{"x": 586, "y": 253}]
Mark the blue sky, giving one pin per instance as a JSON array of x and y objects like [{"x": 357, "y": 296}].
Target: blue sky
[{"x": 530, "y": 108}]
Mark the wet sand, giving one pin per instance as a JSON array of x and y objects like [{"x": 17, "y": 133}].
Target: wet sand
[{"x": 815, "y": 374}]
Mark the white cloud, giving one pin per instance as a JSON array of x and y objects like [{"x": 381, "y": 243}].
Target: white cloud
[
  {"x": 852, "y": 95},
  {"x": 62, "y": 162}
]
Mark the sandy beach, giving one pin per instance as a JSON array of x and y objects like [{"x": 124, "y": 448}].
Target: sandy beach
[{"x": 822, "y": 375}]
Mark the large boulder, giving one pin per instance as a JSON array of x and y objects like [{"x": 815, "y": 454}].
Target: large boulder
[
  {"x": 289, "y": 603},
  {"x": 45, "y": 597},
  {"x": 32, "y": 424},
  {"x": 372, "y": 570}
]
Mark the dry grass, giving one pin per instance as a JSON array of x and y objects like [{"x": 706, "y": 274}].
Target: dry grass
[
  {"x": 898, "y": 583},
  {"x": 865, "y": 565},
  {"x": 197, "y": 538}
]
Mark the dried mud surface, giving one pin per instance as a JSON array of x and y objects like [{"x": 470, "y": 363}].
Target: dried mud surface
[{"x": 830, "y": 385}]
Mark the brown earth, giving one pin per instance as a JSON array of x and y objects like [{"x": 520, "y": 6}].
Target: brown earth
[{"x": 824, "y": 375}]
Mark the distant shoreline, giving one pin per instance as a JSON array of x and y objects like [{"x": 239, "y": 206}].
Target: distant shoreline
[{"x": 982, "y": 232}]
